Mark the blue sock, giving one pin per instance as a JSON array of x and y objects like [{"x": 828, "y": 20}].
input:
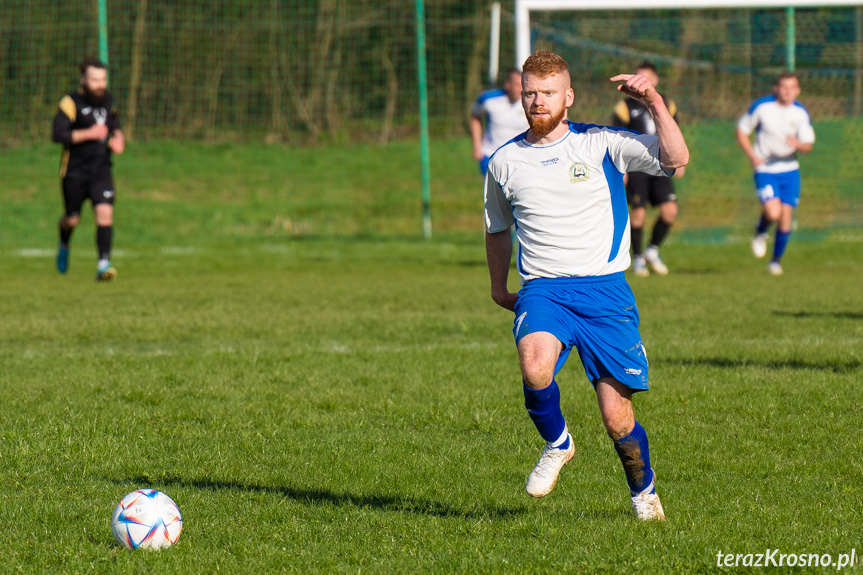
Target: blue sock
[
  {"x": 763, "y": 225},
  {"x": 543, "y": 406},
  {"x": 634, "y": 453},
  {"x": 779, "y": 246}
]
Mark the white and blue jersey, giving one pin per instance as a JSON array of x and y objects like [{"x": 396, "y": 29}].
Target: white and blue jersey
[
  {"x": 568, "y": 203},
  {"x": 503, "y": 119},
  {"x": 773, "y": 123},
  {"x": 567, "y": 199}
]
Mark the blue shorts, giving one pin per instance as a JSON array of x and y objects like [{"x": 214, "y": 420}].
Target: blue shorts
[
  {"x": 785, "y": 186},
  {"x": 597, "y": 315},
  {"x": 483, "y": 165}
]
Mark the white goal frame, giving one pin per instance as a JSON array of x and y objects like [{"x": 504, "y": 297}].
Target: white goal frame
[{"x": 523, "y": 8}]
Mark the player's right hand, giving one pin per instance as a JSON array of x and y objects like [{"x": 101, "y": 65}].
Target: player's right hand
[
  {"x": 98, "y": 132},
  {"x": 756, "y": 160},
  {"x": 505, "y": 300}
]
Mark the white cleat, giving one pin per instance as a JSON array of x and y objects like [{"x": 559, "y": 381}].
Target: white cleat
[
  {"x": 639, "y": 267},
  {"x": 775, "y": 268},
  {"x": 646, "y": 505},
  {"x": 543, "y": 478},
  {"x": 759, "y": 245},
  {"x": 651, "y": 255}
]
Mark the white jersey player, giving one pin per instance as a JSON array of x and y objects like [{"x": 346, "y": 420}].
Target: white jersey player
[
  {"x": 783, "y": 128},
  {"x": 561, "y": 185},
  {"x": 503, "y": 116}
]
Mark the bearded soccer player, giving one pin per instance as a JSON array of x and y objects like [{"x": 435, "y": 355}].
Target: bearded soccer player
[
  {"x": 89, "y": 130},
  {"x": 561, "y": 184},
  {"x": 783, "y": 129}
]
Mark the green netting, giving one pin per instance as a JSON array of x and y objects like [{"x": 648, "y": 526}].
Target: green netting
[{"x": 300, "y": 118}]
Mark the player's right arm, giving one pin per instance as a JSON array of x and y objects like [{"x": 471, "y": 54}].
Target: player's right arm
[
  {"x": 745, "y": 126},
  {"x": 476, "y": 137},
  {"x": 498, "y": 242},
  {"x": 65, "y": 118},
  {"x": 498, "y": 251}
]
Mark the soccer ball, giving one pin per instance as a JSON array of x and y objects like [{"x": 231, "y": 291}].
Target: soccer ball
[{"x": 146, "y": 519}]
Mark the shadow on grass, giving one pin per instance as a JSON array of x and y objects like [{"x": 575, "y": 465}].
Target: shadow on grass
[
  {"x": 832, "y": 314},
  {"x": 404, "y": 504},
  {"x": 836, "y": 366}
]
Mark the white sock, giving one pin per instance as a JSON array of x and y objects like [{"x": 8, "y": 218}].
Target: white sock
[{"x": 560, "y": 440}]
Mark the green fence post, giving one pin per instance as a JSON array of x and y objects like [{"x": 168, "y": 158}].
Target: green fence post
[
  {"x": 790, "y": 41},
  {"x": 424, "y": 119},
  {"x": 103, "y": 31}
]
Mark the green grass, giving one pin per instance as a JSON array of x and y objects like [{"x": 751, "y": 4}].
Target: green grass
[
  {"x": 354, "y": 406},
  {"x": 183, "y": 193}
]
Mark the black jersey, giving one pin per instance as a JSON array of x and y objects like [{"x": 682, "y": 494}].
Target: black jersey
[
  {"x": 634, "y": 115},
  {"x": 85, "y": 159}
]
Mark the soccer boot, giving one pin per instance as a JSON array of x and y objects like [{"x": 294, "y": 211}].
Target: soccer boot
[
  {"x": 106, "y": 273},
  {"x": 646, "y": 505},
  {"x": 651, "y": 255},
  {"x": 775, "y": 268},
  {"x": 62, "y": 259},
  {"x": 543, "y": 478},
  {"x": 639, "y": 267},
  {"x": 759, "y": 245}
]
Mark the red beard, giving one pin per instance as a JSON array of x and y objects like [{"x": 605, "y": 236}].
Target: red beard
[{"x": 541, "y": 127}]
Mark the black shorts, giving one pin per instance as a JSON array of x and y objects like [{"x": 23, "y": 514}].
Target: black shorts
[
  {"x": 99, "y": 189},
  {"x": 641, "y": 188}
]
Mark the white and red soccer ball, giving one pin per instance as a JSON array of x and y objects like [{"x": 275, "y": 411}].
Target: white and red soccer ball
[{"x": 146, "y": 519}]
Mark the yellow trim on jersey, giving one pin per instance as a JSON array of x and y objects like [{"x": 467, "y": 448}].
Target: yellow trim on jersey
[
  {"x": 64, "y": 162},
  {"x": 621, "y": 110},
  {"x": 672, "y": 107},
  {"x": 67, "y": 106}
]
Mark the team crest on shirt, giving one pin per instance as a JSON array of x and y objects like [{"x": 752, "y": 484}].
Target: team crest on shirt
[{"x": 578, "y": 173}]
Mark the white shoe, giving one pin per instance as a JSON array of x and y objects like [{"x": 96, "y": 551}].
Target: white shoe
[
  {"x": 646, "y": 505},
  {"x": 639, "y": 267},
  {"x": 775, "y": 268},
  {"x": 759, "y": 245},
  {"x": 543, "y": 478},
  {"x": 651, "y": 254}
]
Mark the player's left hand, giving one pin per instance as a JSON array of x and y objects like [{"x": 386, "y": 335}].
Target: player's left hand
[
  {"x": 637, "y": 86},
  {"x": 117, "y": 143}
]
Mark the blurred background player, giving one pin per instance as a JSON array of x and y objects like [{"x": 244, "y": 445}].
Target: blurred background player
[
  {"x": 782, "y": 129},
  {"x": 89, "y": 130},
  {"x": 642, "y": 188},
  {"x": 503, "y": 115}
]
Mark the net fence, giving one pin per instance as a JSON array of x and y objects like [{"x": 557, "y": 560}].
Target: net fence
[{"x": 229, "y": 104}]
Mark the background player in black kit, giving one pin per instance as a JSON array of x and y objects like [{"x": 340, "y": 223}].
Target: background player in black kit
[
  {"x": 642, "y": 188},
  {"x": 89, "y": 130}
]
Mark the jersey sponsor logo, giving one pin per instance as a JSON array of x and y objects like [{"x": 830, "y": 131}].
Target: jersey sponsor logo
[
  {"x": 86, "y": 110},
  {"x": 101, "y": 115},
  {"x": 578, "y": 172},
  {"x": 550, "y": 161}
]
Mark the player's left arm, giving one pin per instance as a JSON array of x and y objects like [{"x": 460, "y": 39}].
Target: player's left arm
[
  {"x": 116, "y": 141},
  {"x": 804, "y": 139},
  {"x": 674, "y": 153}
]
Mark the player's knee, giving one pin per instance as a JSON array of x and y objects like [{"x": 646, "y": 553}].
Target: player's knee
[
  {"x": 669, "y": 212},
  {"x": 618, "y": 426},
  {"x": 70, "y": 222},
  {"x": 536, "y": 372}
]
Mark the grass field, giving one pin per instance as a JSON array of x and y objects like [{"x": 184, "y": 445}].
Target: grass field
[{"x": 353, "y": 406}]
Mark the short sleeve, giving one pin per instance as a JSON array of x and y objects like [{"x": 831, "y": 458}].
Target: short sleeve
[
  {"x": 498, "y": 211},
  {"x": 805, "y": 133},
  {"x": 634, "y": 152},
  {"x": 747, "y": 123}
]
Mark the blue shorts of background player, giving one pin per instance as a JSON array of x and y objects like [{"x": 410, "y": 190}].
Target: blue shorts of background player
[
  {"x": 483, "y": 165},
  {"x": 785, "y": 186},
  {"x": 597, "y": 315}
]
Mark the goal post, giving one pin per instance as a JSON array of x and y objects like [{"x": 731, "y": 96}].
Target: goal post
[
  {"x": 523, "y": 8},
  {"x": 715, "y": 57}
]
